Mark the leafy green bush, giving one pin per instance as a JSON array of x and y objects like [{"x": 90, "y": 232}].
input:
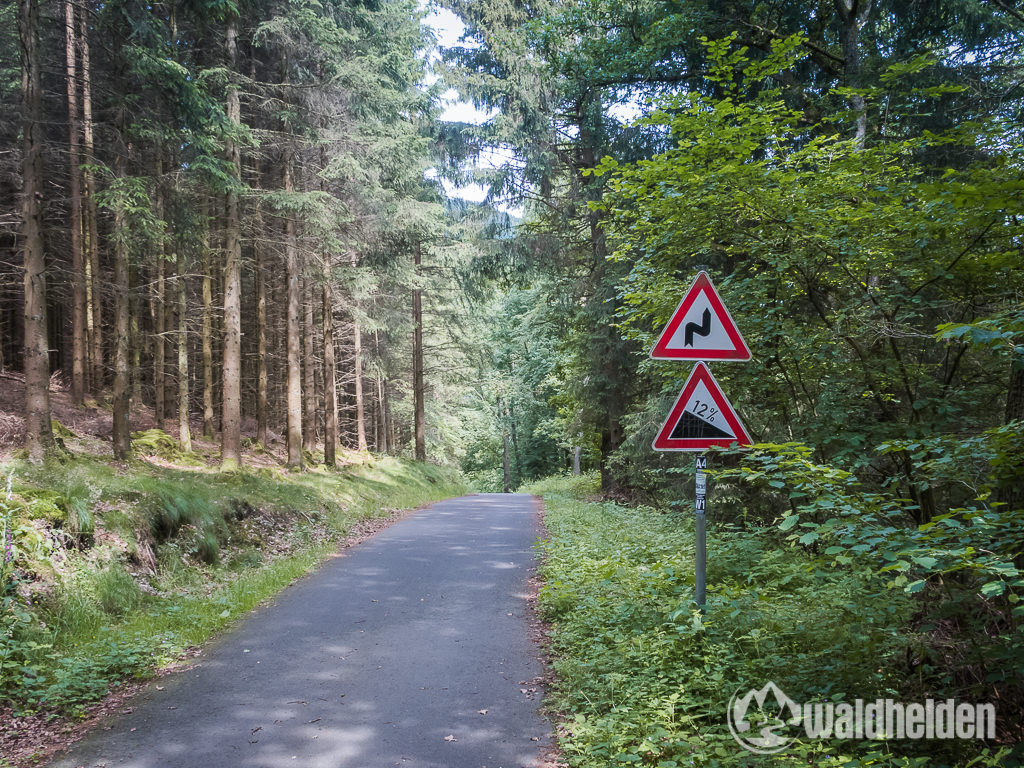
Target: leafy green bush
[{"x": 645, "y": 678}]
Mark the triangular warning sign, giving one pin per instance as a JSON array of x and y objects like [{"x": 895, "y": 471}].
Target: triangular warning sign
[
  {"x": 701, "y": 418},
  {"x": 701, "y": 328}
]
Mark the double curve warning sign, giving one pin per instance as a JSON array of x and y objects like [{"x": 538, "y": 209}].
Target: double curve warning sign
[{"x": 701, "y": 328}]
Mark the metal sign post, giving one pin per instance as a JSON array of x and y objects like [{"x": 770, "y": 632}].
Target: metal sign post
[
  {"x": 700, "y": 584},
  {"x": 701, "y": 329}
]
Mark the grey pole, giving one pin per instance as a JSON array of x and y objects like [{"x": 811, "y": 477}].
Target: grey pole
[{"x": 701, "y": 532}]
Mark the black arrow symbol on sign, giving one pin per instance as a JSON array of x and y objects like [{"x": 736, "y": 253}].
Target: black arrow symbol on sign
[{"x": 701, "y": 330}]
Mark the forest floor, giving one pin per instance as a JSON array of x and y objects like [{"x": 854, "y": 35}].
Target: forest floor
[
  {"x": 92, "y": 426},
  {"x": 116, "y": 572}
]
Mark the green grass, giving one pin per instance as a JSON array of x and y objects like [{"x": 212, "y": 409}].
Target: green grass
[
  {"x": 644, "y": 679},
  {"x": 115, "y": 572}
]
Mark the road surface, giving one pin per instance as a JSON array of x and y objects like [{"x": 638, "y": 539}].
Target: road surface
[{"x": 411, "y": 650}]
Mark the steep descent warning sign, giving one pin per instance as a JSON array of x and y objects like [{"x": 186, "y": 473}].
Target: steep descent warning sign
[
  {"x": 701, "y": 328},
  {"x": 701, "y": 418}
]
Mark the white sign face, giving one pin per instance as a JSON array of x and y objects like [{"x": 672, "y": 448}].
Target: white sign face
[
  {"x": 700, "y": 329},
  {"x": 701, "y": 417}
]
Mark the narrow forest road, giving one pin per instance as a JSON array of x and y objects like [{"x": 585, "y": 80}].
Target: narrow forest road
[{"x": 411, "y": 650}]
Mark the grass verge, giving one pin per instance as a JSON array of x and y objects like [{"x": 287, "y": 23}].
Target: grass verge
[
  {"x": 110, "y": 571},
  {"x": 642, "y": 678}
]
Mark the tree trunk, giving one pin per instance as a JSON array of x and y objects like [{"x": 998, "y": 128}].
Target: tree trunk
[
  {"x": 159, "y": 296},
  {"x": 121, "y": 404},
  {"x": 1015, "y": 393},
  {"x": 78, "y": 305},
  {"x": 1013, "y": 494},
  {"x": 291, "y": 251},
  {"x": 513, "y": 433},
  {"x": 308, "y": 370},
  {"x": 94, "y": 296},
  {"x": 576, "y": 456},
  {"x": 330, "y": 383},
  {"x": 389, "y": 422},
  {"x": 184, "y": 432},
  {"x": 208, "y": 413},
  {"x": 135, "y": 341},
  {"x": 38, "y": 429},
  {"x": 261, "y": 335},
  {"x": 357, "y": 353},
  {"x": 231, "y": 383},
  {"x": 418, "y": 394},
  {"x": 853, "y": 15},
  {"x": 506, "y": 463}
]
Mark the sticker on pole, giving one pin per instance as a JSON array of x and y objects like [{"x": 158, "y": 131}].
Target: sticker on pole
[
  {"x": 701, "y": 418},
  {"x": 701, "y": 328}
]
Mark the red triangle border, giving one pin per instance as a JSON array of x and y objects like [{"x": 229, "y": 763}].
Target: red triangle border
[{"x": 702, "y": 284}]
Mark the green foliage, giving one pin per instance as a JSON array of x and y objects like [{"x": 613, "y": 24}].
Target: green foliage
[
  {"x": 961, "y": 564},
  {"x": 156, "y": 442},
  {"x": 116, "y": 591},
  {"x": 643, "y": 678}
]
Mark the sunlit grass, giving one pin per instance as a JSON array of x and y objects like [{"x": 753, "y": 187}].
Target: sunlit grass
[{"x": 172, "y": 556}]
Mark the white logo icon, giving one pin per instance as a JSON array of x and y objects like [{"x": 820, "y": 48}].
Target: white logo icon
[{"x": 780, "y": 712}]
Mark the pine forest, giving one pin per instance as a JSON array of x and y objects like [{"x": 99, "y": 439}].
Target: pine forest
[{"x": 272, "y": 271}]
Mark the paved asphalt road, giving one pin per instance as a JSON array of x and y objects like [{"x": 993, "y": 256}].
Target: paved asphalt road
[{"x": 371, "y": 662}]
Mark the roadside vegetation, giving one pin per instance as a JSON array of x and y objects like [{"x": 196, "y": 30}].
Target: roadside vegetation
[
  {"x": 110, "y": 571},
  {"x": 642, "y": 678}
]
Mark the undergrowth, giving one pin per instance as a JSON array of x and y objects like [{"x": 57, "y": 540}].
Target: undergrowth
[
  {"x": 107, "y": 573},
  {"x": 643, "y": 678}
]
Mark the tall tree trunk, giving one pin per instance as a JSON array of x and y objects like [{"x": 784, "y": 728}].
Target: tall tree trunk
[
  {"x": 231, "y": 382},
  {"x": 853, "y": 15},
  {"x": 308, "y": 370},
  {"x": 375, "y": 415},
  {"x": 135, "y": 341},
  {"x": 78, "y": 305},
  {"x": 1013, "y": 494},
  {"x": 294, "y": 278},
  {"x": 330, "y": 382},
  {"x": 357, "y": 353},
  {"x": 38, "y": 429},
  {"x": 389, "y": 421},
  {"x": 418, "y": 393},
  {"x": 121, "y": 404},
  {"x": 506, "y": 463},
  {"x": 159, "y": 296},
  {"x": 514, "y": 434},
  {"x": 207, "y": 329},
  {"x": 380, "y": 428},
  {"x": 94, "y": 295},
  {"x": 261, "y": 344},
  {"x": 184, "y": 432}
]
